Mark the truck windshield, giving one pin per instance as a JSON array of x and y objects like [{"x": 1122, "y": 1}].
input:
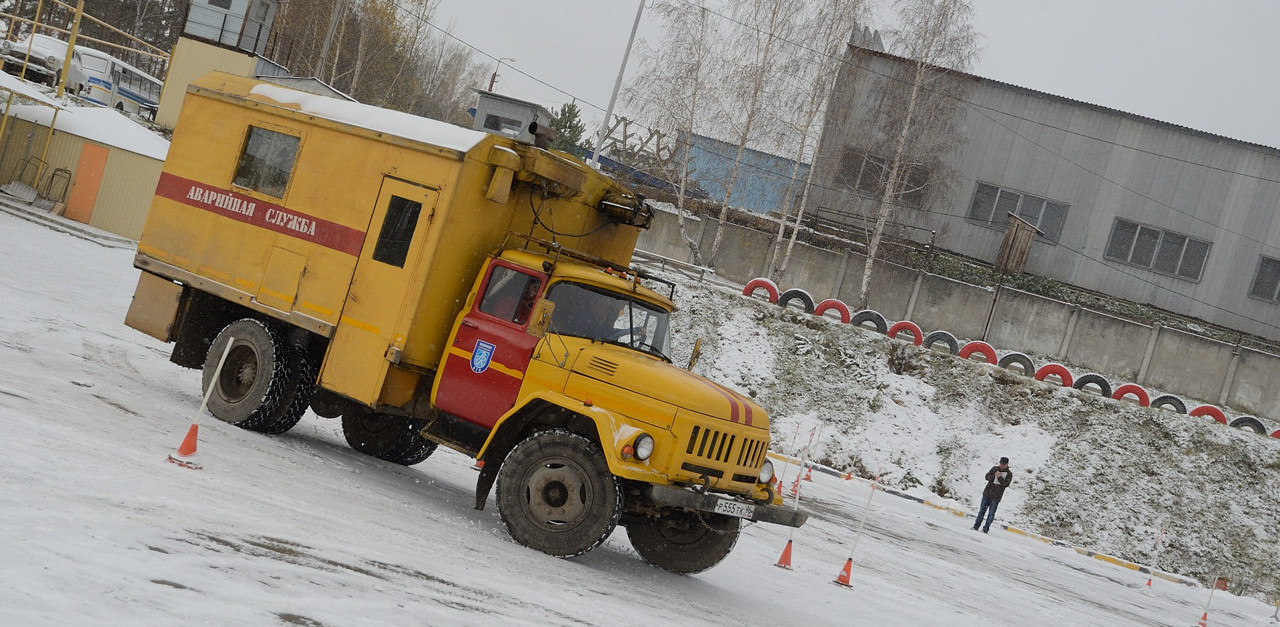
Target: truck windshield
[{"x": 598, "y": 314}]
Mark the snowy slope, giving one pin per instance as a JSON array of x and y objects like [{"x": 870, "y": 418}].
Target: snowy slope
[{"x": 299, "y": 529}]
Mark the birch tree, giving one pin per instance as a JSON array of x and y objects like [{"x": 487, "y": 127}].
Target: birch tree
[
  {"x": 672, "y": 86},
  {"x": 757, "y": 50},
  {"x": 936, "y": 39},
  {"x": 829, "y": 24}
]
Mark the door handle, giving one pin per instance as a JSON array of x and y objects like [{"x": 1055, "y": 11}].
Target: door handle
[{"x": 470, "y": 324}]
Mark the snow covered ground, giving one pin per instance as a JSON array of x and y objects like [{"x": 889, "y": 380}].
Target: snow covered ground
[{"x": 298, "y": 529}]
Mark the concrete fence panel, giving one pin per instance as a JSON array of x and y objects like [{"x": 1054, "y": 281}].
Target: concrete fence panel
[
  {"x": 1255, "y": 388},
  {"x": 814, "y": 270},
  {"x": 947, "y": 305},
  {"x": 891, "y": 287},
  {"x": 1028, "y": 323},
  {"x": 744, "y": 253},
  {"x": 663, "y": 236},
  {"x": 1193, "y": 366},
  {"x": 1108, "y": 343}
]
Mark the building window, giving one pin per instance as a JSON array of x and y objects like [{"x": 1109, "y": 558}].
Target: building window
[
  {"x": 266, "y": 161},
  {"x": 992, "y": 206},
  {"x": 1162, "y": 251},
  {"x": 221, "y": 4},
  {"x": 1266, "y": 283},
  {"x": 867, "y": 174}
]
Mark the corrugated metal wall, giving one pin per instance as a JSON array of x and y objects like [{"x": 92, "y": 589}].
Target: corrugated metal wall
[
  {"x": 192, "y": 59},
  {"x": 128, "y": 185}
]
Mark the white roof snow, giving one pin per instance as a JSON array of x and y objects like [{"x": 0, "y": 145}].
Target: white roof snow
[
  {"x": 374, "y": 118},
  {"x": 100, "y": 124}
]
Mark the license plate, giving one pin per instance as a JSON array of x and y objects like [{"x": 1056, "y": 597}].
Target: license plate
[{"x": 734, "y": 508}]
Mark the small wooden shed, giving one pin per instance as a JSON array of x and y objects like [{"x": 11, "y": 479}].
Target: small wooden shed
[{"x": 102, "y": 164}]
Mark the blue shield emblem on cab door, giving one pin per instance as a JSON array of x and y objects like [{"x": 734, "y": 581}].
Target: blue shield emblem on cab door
[{"x": 481, "y": 357}]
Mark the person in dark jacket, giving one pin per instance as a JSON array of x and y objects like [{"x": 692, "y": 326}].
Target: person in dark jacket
[{"x": 998, "y": 478}]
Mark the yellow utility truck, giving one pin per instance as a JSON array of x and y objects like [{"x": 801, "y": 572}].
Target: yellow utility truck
[{"x": 431, "y": 284}]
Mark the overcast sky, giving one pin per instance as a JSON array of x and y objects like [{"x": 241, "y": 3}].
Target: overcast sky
[{"x": 1209, "y": 66}]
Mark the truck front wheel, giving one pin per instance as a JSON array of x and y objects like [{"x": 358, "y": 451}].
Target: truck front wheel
[
  {"x": 684, "y": 542},
  {"x": 556, "y": 494},
  {"x": 252, "y": 387}
]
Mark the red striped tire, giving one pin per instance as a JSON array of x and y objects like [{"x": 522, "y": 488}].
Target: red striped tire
[
  {"x": 906, "y": 325},
  {"x": 1058, "y": 369},
  {"x": 1210, "y": 411},
  {"x": 1134, "y": 389},
  {"x": 832, "y": 303},
  {"x": 755, "y": 284},
  {"x": 978, "y": 346}
]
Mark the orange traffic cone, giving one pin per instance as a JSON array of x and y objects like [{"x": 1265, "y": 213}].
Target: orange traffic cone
[
  {"x": 186, "y": 455},
  {"x": 1204, "y": 620},
  {"x": 843, "y": 578},
  {"x": 785, "y": 560},
  {"x": 848, "y": 476},
  {"x": 808, "y": 474},
  {"x": 795, "y": 487},
  {"x": 1148, "y": 585}
]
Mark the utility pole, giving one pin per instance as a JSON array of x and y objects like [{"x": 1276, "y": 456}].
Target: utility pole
[
  {"x": 604, "y": 128},
  {"x": 328, "y": 37}
]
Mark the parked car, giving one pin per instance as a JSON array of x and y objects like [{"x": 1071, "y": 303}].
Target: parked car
[{"x": 44, "y": 65}]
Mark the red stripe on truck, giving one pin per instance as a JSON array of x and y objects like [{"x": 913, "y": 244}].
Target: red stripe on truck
[{"x": 248, "y": 210}]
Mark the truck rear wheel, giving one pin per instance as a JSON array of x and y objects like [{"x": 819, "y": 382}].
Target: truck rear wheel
[
  {"x": 682, "y": 541},
  {"x": 252, "y": 388},
  {"x": 297, "y": 394},
  {"x": 556, "y": 494}
]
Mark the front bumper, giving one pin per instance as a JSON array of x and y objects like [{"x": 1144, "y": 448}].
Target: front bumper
[{"x": 685, "y": 498}]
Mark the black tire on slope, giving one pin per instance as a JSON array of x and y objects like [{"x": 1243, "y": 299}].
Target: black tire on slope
[
  {"x": 250, "y": 390},
  {"x": 684, "y": 542},
  {"x": 1174, "y": 403},
  {"x": 556, "y": 494},
  {"x": 1028, "y": 369},
  {"x": 1250, "y": 423},
  {"x": 1104, "y": 386},
  {"x": 953, "y": 345},
  {"x": 796, "y": 294},
  {"x": 872, "y": 316}
]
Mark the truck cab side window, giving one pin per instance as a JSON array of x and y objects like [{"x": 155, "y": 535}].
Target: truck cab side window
[
  {"x": 397, "y": 231},
  {"x": 266, "y": 161},
  {"x": 510, "y": 295}
]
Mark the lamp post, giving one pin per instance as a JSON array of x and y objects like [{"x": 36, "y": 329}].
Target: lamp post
[{"x": 493, "y": 77}]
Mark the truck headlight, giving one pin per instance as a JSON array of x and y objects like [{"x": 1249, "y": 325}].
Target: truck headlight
[
  {"x": 766, "y": 471},
  {"x": 644, "y": 446},
  {"x": 6, "y": 47},
  {"x": 51, "y": 61}
]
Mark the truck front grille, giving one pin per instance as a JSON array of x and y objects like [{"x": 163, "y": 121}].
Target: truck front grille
[{"x": 715, "y": 453}]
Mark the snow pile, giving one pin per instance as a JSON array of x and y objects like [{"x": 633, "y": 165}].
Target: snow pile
[{"x": 1091, "y": 471}]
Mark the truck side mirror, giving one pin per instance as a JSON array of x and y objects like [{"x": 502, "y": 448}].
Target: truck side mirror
[
  {"x": 540, "y": 318},
  {"x": 697, "y": 352}
]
